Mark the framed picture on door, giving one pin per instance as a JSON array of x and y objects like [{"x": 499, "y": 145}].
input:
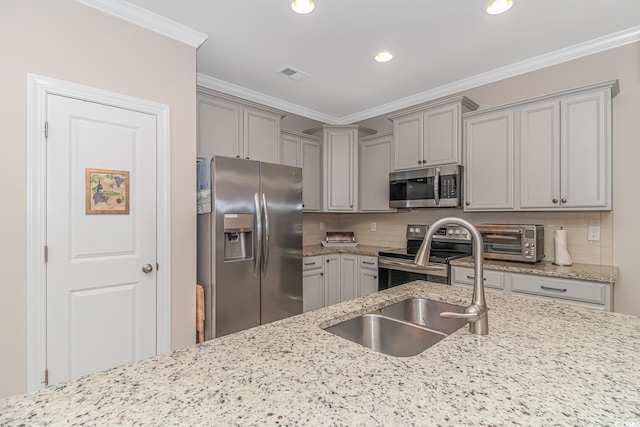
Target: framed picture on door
[{"x": 106, "y": 191}]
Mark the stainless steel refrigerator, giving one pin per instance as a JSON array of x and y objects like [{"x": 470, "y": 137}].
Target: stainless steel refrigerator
[{"x": 250, "y": 245}]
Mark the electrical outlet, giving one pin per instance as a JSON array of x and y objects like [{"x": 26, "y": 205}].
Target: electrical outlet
[
  {"x": 321, "y": 226},
  {"x": 373, "y": 226},
  {"x": 594, "y": 233}
]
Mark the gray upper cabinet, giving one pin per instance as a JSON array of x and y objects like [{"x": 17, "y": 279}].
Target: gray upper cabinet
[
  {"x": 561, "y": 155},
  {"x": 228, "y": 127},
  {"x": 340, "y": 168},
  {"x": 431, "y": 134},
  {"x": 488, "y": 173},
  {"x": 375, "y": 164},
  {"x": 304, "y": 151}
]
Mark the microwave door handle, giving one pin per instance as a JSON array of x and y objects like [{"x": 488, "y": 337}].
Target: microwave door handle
[{"x": 436, "y": 187}]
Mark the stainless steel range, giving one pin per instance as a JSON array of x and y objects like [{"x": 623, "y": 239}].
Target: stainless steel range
[{"x": 396, "y": 266}]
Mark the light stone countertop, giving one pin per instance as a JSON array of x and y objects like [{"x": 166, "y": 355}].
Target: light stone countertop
[
  {"x": 541, "y": 364},
  {"x": 313, "y": 250},
  {"x": 590, "y": 272}
]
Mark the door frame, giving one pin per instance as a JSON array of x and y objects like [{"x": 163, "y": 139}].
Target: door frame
[{"x": 38, "y": 88}]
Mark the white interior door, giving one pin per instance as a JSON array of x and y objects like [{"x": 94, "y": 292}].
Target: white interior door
[{"x": 101, "y": 306}]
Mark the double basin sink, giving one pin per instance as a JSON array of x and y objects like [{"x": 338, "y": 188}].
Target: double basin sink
[{"x": 403, "y": 329}]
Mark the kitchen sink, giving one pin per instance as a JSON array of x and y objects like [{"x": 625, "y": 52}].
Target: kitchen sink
[
  {"x": 387, "y": 335},
  {"x": 426, "y": 312},
  {"x": 403, "y": 329}
]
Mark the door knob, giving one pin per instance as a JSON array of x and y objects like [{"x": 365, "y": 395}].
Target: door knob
[
  {"x": 555, "y": 200},
  {"x": 147, "y": 268}
]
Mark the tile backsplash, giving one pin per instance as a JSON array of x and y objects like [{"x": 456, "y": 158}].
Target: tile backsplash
[{"x": 391, "y": 228}]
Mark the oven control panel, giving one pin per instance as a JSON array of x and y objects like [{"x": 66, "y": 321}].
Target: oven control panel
[{"x": 448, "y": 233}]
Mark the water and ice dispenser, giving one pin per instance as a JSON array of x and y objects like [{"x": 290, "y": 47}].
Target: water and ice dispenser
[{"x": 238, "y": 236}]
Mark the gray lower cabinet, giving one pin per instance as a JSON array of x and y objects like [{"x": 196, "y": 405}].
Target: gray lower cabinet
[
  {"x": 312, "y": 283},
  {"x": 334, "y": 278},
  {"x": 565, "y": 291}
]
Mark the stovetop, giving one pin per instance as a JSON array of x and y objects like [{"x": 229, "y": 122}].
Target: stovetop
[{"x": 435, "y": 256}]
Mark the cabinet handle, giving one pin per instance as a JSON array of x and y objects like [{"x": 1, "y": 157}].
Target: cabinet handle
[
  {"x": 555, "y": 200},
  {"x": 237, "y": 157},
  {"x": 327, "y": 260},
  {"x": 368, "y": 263},
  {"x": 563, "y": 200},
  {"x": 247, "y": 158},
  {"x": 322, "y": 274},
  {"x": 467, "y": 203},
  {"x": 310, "y": 263},
  {"x": 473, "y": 277},
  {"x": 375, "y": 277},
  {"x": 419, "y": 162},
  {"x": 424, "y": 162},
  {"x": 548, "y": 288}
]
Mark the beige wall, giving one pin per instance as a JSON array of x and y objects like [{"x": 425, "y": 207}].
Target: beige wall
[
  {"x": 619, "y": 234},
  {"x": 65, "y": 40}
]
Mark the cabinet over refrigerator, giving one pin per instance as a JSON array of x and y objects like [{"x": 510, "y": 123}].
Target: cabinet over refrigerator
[{"x": 250, "y": 245}]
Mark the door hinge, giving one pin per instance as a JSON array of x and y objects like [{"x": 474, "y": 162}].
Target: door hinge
[
  {"x": 46, "y": 253},
  {"x": 157, "y": 266},
  {"x": 46, "y": 129},
  {"x": 46, "y": 377}
]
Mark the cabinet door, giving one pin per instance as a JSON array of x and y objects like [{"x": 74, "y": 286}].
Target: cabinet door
[
  {"x": 331, "y": 279},
  {"x": 585, "y": 151},
  {"x": 368, "y": 282},
  {"x": 290, "y": 150},
  {"x": 261, "y": 135},
  {"x": 539, "y": 152},
  {"x": 312, "y": 289},
  {"x": 442, "y": 139},
  {"x": 348, "y": 277},
  {"x": 408, "y": 134},
  {"x": 340, "y": 170},
  {"x": 375, "y": 165},
  {"x": 311, "y": 180},
  {"x": 489, "y": 161},
  {"x": 219, "y": 127}
]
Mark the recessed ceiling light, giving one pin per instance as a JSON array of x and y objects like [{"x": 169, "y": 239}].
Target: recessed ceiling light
[
  {"x": 497, "y": 7},
  {"x": 302, "y": 6},
  {"x": 384, "y": 57}
]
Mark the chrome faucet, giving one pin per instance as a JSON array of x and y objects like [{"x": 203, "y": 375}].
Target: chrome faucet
[{"x": 476, "y": 313}]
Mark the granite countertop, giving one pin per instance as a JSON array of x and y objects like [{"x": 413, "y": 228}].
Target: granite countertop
[
  {"x": 313, "y": 250},
  {"x": 542, "y": 363},
  {"x": 590, "y": 272}
]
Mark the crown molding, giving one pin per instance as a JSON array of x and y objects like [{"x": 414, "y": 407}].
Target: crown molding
[
  {"x": 590, "y": 47},
  {"x": 149, "y": 20},
  {"x": 251, "y": 95}
]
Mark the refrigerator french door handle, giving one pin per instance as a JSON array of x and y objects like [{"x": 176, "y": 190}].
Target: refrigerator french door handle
[
  {"x": 257, "y": 240},
  {"x": 266, "y": 234},
  {"x": 436, "y": 187}
]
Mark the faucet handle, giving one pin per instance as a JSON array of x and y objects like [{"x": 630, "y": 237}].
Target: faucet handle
[{"x": 469, "y": 316}]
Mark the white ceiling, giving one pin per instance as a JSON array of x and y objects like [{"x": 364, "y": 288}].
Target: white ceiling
[{"x": 438, "y": 46}]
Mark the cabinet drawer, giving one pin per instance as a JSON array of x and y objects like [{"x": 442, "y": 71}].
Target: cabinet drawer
[
  {"x": 369, "y": 262},
  {"x": 311, "y": 262},
  {"x": 558, "y": 288},
  {"x": 492, "y": 279}
]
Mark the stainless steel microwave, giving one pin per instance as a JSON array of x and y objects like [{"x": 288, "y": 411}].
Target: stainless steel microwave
[
  {"x": 436, "y": 187},
  {"x": 513, "y": 242}
]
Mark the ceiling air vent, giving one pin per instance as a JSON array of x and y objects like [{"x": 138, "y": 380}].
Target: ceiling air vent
[{"x": 292, "y": 73}]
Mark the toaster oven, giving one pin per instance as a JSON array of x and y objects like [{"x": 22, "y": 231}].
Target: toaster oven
[{"x": 513, "y": 242}]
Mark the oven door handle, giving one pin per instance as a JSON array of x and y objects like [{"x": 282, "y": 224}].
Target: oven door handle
[{"x": 433, "y": 269}]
